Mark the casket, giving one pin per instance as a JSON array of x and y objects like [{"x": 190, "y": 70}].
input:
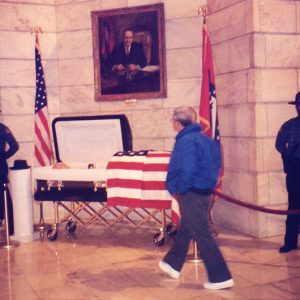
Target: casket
[{"x": 85, "y": 145}]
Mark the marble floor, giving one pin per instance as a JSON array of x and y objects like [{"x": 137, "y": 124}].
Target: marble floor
[{"x": 120, "y": 263}]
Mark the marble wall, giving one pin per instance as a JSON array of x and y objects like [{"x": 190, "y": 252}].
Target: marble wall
[
  {"x": 256, "y": 57},
  {"x": 257, "y": 61}
]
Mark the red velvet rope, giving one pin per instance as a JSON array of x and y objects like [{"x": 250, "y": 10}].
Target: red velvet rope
[{"x": 256, "y": 207}]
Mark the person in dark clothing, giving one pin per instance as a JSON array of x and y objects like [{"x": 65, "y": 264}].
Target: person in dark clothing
[
  {"x": 6, "y": 139},
  {"x": 190, "y": 177},
  {"x": 128, "y": 57},
  {"x": 288, "y": 145}
]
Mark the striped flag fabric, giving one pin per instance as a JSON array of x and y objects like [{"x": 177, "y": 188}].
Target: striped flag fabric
[
  {"x": 138, "y": 179},
  {"x": 107, "y": 40},
  {"x": 208, "y": 102},
  {"x": 43, "y": 148}
]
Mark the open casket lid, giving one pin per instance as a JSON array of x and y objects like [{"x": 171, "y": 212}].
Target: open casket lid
[{"x": 90, "y": 139}]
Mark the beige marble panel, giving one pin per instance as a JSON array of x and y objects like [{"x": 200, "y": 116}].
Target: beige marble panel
[
  {"x": 231, "y": 23},
  {"x": 77, "y": 15},
  {"x": 21, "y": 17},
  {"x": 278, "y": 85},
  {"x": 183, "y": 33},
  {"x": 254, "y": 85},
  {"x": 78, "y": 99},
  {"x": 178, "y": 9},
  {"x": 54, "y": 99},
  {"x": 184, "y": 63},
  {"x": 148, "y": 144},
  {"x": 22, "y": 44},
  {"x": 271, "y": 158},
  {"x": 219, "y": 5},
  {"x": 240, "y": 185},
  {"x": 143, "y": 121},
  {"x": 259, "y": 51},
  {"x": 283, "y": 51},
  {"x": 272, "y": 18},
  {"x": 277, "y": 115},
  {"x": 232, "y": 55},
  {"x": 20, "y": 73},
  {"x": 298, "y": 16},
  {"x": 74, "y": 16},
  {"x": 50, "y": 2},
  {"x": 257, "y": 224},
  {"x": 275, "y": 224},
  {"x": 278, "y": 193},
  {"x": 231, "y": 88},
  {"x": 183, "y": 92},
  {"x": 263, "y": 186},
  {"x": 232, "y": 216},
  {"x": 221, "y": 57},
  {"x": 237, "y": 157},
  {"x": 76, "y": 71},
  {"x": 17, "y": 100},
  {"x": 138, "y": 104},
  {"x": 237, "y": 120},
  {"x": 240, "y": 55},
  {"x": 261, "y": 120},
  {"x": 75, "y": 44}
]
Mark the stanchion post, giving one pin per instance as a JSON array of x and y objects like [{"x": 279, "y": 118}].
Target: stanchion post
[
  {"x": 8, "y": 244},
  {"x": 41, "y": 226},
  {"x": 194, "y": 258}
]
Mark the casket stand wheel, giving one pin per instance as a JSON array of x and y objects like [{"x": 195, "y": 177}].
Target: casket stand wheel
[
  {"x": 167, "y": 231},
  {"x": 159, "y": 239},
  {"x": 52, "y": 234},
  {"x": 71, "y": 226},
  {"x": 171, "y": 230}
]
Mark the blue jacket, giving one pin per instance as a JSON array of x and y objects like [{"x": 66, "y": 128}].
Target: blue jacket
[{"x": 191, "y": 165}]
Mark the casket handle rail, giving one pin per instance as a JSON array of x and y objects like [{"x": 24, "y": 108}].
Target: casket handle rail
[
  {"x": 54, "y": 183},
  {"x": 99, "y": 184}
]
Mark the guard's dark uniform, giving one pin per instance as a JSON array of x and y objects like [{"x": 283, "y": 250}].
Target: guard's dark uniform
[
  {"x": 6, "y": 138},
  {"x": 288, "y": 144}
]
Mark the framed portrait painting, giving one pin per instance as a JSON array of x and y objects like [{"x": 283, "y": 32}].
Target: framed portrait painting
[{"x": 129, "y": 53}]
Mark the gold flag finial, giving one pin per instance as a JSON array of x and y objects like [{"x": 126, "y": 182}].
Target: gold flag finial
[
  {"x": 203, "y": 12},
  {"x": 36, "y": 30}
]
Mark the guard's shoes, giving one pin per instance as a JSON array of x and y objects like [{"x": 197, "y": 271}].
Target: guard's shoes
[
  {"x": 219, "y": 285},
  {"x": 166, "y": 268},
  {"x": 287, "y": 248}
]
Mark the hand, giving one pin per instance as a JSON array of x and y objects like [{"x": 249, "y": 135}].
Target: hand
[
  {"x": 119, "y": 67},
  {"x": 133, "y": 67}
]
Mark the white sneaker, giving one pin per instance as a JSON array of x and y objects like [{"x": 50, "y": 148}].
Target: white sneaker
[
  {"x": 166, "y": 268},
  {"x": 219, "y": 285}
]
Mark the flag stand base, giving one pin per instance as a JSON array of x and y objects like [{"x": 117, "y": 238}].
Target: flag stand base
[{"x": 195, "y": 256}]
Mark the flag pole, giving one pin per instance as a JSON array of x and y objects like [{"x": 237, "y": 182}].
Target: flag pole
[
  {"x": 41, "y": 226},
  {"x": 196, "y": 256},
  {"x": 203, "y": 11}
]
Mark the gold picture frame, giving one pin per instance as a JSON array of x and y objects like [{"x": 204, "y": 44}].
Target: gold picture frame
[{"x": 108, "y": 27}]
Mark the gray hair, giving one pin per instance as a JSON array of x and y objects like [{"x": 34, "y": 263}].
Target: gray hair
[{"x": 185, "y": 115}]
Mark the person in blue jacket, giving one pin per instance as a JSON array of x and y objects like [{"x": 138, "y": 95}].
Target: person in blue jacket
[
  {"x": 8, "y": 147},
  {"x": 192, "y": 177}
]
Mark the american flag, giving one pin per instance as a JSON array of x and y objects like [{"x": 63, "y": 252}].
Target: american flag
[
  {"x": 208, "y": 101},
  {"x": 43, "y": 149},
  {"x": 139, "y": 180}
]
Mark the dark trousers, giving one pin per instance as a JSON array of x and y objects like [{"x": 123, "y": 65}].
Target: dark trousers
[
  {"x": 292, "y": 221},
  {"x": 194, "y": 224},
  {"x": 9, "y": 208}
]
